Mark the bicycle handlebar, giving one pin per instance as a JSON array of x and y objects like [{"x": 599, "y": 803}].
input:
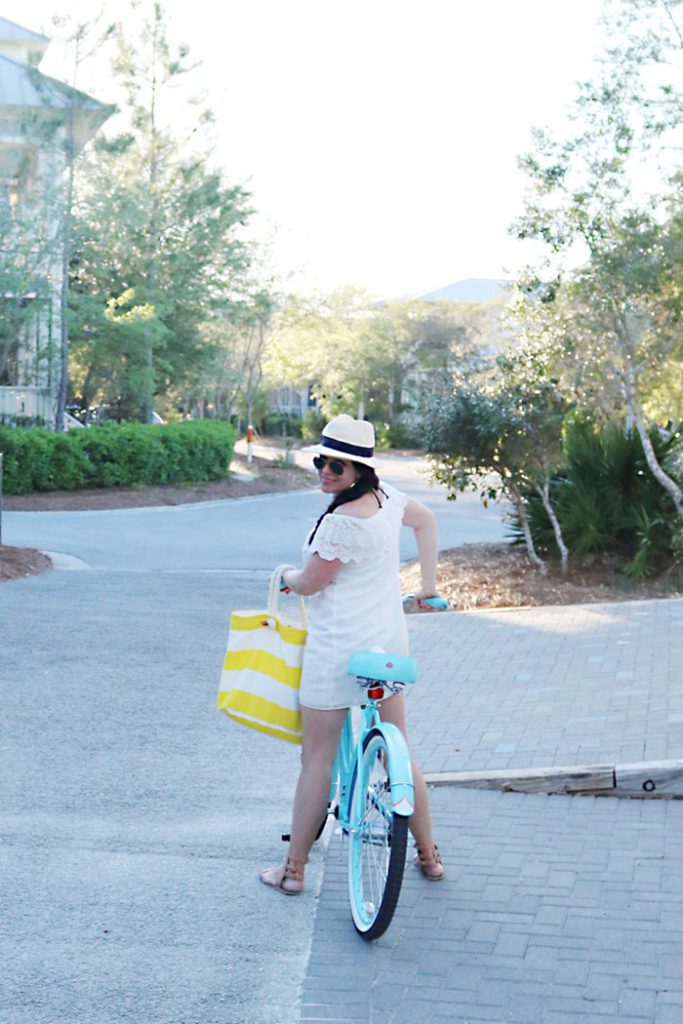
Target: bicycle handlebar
[{"x": 432, "y": 604}]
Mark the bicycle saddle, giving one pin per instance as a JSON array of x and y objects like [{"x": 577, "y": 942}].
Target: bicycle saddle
[{"x": 382, "y": 667}]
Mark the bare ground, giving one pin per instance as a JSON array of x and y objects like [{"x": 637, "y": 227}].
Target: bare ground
[
  {"x": 472, "y": 576},
  {"x": 501, "y": 576}
]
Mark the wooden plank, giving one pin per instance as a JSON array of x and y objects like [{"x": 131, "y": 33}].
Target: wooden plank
[
  {"x": 650, "y": 779},
  {"x": 585, "y": 779},
  {"x": 647, "y": 779}
]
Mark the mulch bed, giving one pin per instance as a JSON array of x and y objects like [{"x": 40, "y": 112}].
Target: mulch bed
[
  {"x": 18, "y": 562},
  {"x": 500, "y": 576}
]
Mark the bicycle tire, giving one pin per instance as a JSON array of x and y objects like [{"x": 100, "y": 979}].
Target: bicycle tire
[{"x": 377, "y": 844}]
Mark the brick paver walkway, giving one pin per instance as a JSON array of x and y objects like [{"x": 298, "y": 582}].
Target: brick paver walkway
[
  {"x": 555, "y": 910},
  {"x": 548, "y": 686}
]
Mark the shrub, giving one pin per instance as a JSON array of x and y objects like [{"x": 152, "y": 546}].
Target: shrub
[
  {"x": 128, "y": 455},
  {"x": 281, "y": 424},
  {"x": 312, "y": 425},
  {"x": 70, "y": 467},
  {"x": 26, "y": 459},
  {"x": 677, "y": 551},
  {"x": 607, "y": 500},
  {"x": 382, "y": 441},
  {"x": 405, "y": 433}
]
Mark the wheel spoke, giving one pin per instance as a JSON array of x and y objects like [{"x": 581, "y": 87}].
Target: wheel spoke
[{"x": 376, "y": 858}]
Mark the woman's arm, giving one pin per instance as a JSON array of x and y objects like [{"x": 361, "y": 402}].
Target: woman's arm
[
  {"x": 315, "y": 575},
  {"x": 423, "y": 521}
]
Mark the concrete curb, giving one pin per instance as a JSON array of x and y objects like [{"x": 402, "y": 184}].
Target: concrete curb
[
  {"x": 70, "y": 563},
  {"x": 646, "y": 779}
]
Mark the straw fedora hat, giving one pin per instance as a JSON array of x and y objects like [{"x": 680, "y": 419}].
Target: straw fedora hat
[{"x": 347, "y": 439}]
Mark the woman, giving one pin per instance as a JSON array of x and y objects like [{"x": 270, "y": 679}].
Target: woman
[{"x": 351, "y": 576}]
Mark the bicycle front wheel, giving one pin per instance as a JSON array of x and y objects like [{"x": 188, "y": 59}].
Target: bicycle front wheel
[{"x": 377, "y": 843}]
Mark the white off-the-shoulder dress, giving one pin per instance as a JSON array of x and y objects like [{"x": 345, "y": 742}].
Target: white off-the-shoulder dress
[{"x": 361, "y": 608}]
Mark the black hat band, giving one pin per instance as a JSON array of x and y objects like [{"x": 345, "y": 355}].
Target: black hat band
[{"x": 348, "y": 449}]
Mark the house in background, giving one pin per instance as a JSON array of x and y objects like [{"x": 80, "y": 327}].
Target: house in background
[{"x": 42, "y": 120}]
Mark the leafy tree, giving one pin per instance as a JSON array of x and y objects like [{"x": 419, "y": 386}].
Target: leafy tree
[
  {"x": 328, "y": 342},
  {"x": 502, "y": 436},
  {"x": 618, "y": 315},
  {"x": 360, "y": 355},
  {"x": 542, "y": 404},
  {"x": 237, "y": 338},
  {"x": 84, "y": 39},
  {"x": 424, "y": 339},
  {"x": 158, "y": 231}
]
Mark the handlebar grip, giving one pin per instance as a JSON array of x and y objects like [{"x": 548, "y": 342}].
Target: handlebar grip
[{"x": 432, "y": 604}]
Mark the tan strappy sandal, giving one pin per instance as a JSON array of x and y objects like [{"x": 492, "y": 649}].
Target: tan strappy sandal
[
  {"x": 430, "y": 864},
  {"x": 287, "y": 878}
]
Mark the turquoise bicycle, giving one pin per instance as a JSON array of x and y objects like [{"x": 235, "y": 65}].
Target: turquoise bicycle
[{"x": 372, "y": 794}]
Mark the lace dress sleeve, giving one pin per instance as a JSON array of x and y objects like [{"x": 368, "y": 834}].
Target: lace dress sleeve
[{"x": 342, "y": 537}]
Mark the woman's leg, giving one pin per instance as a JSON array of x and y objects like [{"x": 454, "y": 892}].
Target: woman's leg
[
  {"x": 320, "y": 738},
  {"x": 420, "y": 822}
]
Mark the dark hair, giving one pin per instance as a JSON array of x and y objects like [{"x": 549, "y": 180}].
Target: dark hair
[{"x": 366, "y": 481}]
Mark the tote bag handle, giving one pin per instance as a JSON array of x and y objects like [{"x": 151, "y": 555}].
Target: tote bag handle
[{"x": 274, "y": 596}]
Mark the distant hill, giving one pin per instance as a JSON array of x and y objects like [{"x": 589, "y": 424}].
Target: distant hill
[{"x": 472, "y": 289}]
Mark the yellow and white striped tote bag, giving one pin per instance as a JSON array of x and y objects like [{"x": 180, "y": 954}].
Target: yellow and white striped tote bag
[{"x": 259, "y": 684}]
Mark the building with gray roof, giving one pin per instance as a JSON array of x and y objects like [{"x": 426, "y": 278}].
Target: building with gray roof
[{"x": 44, "y": 123}]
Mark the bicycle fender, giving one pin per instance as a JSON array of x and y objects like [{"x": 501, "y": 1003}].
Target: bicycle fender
[{"x": 400, "y": 772}]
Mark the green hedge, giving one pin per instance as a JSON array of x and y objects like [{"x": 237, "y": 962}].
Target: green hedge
[{"x": 124, "y": 455}]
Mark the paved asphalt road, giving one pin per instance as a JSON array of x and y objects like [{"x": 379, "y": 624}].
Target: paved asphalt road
[
  {"x": 133, "y": 819},
  {"x": 248, "y": 533}
]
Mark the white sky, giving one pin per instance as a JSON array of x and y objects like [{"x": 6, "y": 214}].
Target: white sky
[{"x": 379, "y": 137}]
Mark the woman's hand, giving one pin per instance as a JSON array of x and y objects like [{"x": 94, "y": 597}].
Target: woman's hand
[{"x": 285, "y": 587}]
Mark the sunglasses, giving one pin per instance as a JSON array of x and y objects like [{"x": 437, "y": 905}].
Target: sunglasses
[{"x": 335, "y": 465}]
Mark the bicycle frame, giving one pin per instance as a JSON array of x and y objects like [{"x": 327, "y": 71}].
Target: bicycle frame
[{"x": 348, "y": 758}]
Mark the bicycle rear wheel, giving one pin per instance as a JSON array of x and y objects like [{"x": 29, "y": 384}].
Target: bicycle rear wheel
[{"x": 377, "y": 843}]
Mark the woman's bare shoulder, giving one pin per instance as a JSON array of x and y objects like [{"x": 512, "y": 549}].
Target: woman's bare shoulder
[{"x": 364, "y": 507}]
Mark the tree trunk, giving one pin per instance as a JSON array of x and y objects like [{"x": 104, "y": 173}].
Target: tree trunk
[
  {"x": 148, "y": 406},
  {"x": 67, "y": 217},
  {"x": 658, "y": 473},
  {"x": 544, "y": 492},
  {"x": 518, "y": 502},
  {"x": 631, "y": 390}
]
